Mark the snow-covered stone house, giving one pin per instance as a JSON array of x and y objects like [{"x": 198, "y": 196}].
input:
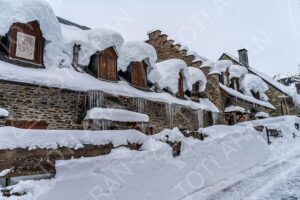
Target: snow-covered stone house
[
  {"x": 55, "y": 74},
  {"x": 240, "y": 92}
]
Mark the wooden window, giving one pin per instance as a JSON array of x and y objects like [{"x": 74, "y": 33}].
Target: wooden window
[
  {"x": 139, "y": 74},
  {"x": 195, "y": 89},
  {"x": 26, "y": 42},
  {"x": 235, "y": 84},
  {"x": 180, "y": 85},
  {"x": 108, "y": 65},
  {"x": 255, "y": 94}
]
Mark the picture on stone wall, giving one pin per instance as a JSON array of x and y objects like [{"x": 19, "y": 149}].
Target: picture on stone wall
[{"x": 25, "y": 46}]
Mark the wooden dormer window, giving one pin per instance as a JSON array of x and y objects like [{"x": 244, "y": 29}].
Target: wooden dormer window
[
  {"x": 255, "y": 94},
  {"x": 139, "y": 74},
  {"x": 224, "y": 78},
  {"x": 104, "y": 64},
  {"x": 195, "y": 89},
  {"x": 180, "y": 85},
  {"x": 108, "y": 64},
  {"x": 235, "y": 84},
  {"x": 26, "y": 42}
]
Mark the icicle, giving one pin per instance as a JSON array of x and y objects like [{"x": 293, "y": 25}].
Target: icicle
[
  {"x": 95, "y": 99},
  {"x": 200, "y": 118},
  {"x": 169, "y": 114},
  {"x": 143, "y": 127},
  {"x": 215, "y": 118},
  {"x": 140, "y": 103}
]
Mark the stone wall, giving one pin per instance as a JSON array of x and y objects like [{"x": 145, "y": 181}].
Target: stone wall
[
  {"x": 65, "y": 109},
  {"x": 167, "y": 49},
  {"x": 61, "y": 109}
]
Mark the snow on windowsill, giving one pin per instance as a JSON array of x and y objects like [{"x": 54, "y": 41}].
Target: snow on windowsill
[{"x": 3, "y": 112}]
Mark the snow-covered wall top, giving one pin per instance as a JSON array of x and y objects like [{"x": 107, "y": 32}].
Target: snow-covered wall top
[
  {"x": 220, "y": 66},
  {"x": 169, "y": 72},
  {"x": 136, "y": 51},
  {"x": 197, "y": 75},
  {"x": 118, "y": 115},
  {"x": 251, "y": 82},
  {"x": 91, "y": 41}
]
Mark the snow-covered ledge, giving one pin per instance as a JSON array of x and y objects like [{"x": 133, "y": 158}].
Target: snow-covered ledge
[
  {"x": 3, "y": 113},
  {"x": 118, "y": 115},
  {"x": 262, "y": 115},
  {"x": 232, "y": 108}
]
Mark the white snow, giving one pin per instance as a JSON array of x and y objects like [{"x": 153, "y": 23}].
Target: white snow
[
  {"x": 169, "y": 71},
  {"x": 197, "y": 75},
  {"x": 136, "y": 51},
  {"x": 246, "y": 97},
  {"x": 91, "y": 41},
  {"x": 262, "y": 114},
  {"x": 233, "y": 108},
  {"x": 118, "y": 115},
  {"x": 237, "y": 71},
  {"x": 3, "y": 112},
  {"x": 169, "y": 135},
  {"x": 251, "y": 82},
  {"x": 221, "y": 66},
  {"x": 68, "y": 78},
  {"x": 4, "y": 172},
  {"x": 12, "y": 138}
]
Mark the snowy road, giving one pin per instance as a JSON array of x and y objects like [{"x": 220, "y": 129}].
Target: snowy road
[{"x": 278, "y": 182}]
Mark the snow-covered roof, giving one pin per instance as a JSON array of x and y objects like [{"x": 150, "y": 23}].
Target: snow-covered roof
[
  {"x": 245, "y": 97},
  {"x": 251, "y": 82},
  {"x": 68, "y": 78},
  {"x": 197, "y": 56},
  {"x": 288, "y": 90},
  {"x": 91, "y": 41},
  {"x": 233, "y": 108},
  {"x": 136, "y": 51},
  {"x": 262, "y": 114},
  {"x": 169, "y": 71},
  {"x": 3, "y": 113},
  {"x": 197, "y": 75},
  {"x": 221, "y": 66},
  {"x": 118, "y": 115},
  {"x": 237, "y": 71}
]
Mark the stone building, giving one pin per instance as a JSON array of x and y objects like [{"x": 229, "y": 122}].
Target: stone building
[{"x": 223, "y": 86}]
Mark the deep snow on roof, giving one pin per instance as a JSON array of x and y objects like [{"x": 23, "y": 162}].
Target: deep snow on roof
[{"x": 195, "y": 76}]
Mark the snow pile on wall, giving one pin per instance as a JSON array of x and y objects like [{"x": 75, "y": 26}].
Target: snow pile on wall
[
  {"x": 262, "y": 114},
  {"x": 235, "y": 109},
  {"x": 91, "y": 41},
  {"x": 136, "y": 51},
  {"x": 118, "y": 115},
  {"x": 116, "y": 176},
  {"x": 197, "y": 75},
  {"x": 12, "y": 138},
  {"x": 251, "y": 82},
  {"x": 169, "y": 71},
  {"x": 25, "y": 11},
  {"x": 237, "y": 71},
  {"x": 3, "y": 113},
  {"x": 166, "y": 135}
]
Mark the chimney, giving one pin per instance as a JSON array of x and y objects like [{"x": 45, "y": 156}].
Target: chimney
[
  {"x": 76, "y": 49},
  {"x": 243, "y": 57}
]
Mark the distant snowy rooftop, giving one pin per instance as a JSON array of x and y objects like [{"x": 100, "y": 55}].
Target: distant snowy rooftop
[{"x": 118, "y": 115}]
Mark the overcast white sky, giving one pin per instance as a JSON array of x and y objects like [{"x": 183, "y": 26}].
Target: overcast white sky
[{"x": 269, "y": 29}]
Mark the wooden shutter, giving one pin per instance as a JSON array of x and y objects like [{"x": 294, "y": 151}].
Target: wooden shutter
[
  {"x": 139, "y": 74},
  {"x": 108, "y": 64},
  {"x": 180, "y": 85}
]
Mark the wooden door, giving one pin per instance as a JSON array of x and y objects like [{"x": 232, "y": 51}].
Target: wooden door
[{"x": 139, "y": 74}]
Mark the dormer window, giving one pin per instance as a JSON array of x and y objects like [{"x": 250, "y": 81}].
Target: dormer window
[
  {"x": 180, "y": 85},
  {"x": 196, "y": 88},
  {"x": 26, "y": 42},
  {"x": 255, "y": 94},
  {"x": 104, "y": 64},
  {"x": 224, "y": 78},
  {"x": 235, "y": 84},
  {"x": 139, "y": 74}
]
